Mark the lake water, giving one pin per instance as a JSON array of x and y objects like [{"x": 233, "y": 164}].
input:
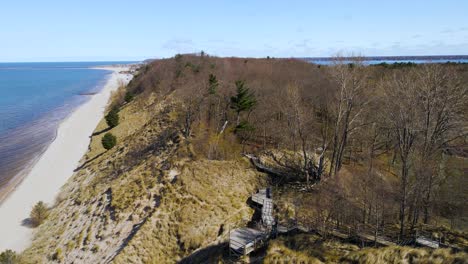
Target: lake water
[
  {"x": 373, "y": 62},
  {"x": 35, "y": 97}
]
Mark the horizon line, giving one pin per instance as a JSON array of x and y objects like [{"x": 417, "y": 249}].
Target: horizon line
[{"x": 462, "y": 56}]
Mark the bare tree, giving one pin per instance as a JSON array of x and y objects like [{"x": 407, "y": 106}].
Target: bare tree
[
  {"x": 442, "y": 100},
  {"x": 350, "y": 79},
  {"x": 191, "y": 105},
  {"x": 402, "y": 117},
  {"x": 300, "y": 119}
]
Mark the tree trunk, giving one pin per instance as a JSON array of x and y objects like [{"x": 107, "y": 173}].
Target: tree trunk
[
  {"x": 344, "y": 139},
  {"x": 306, "y": 160},
  {"x": 321, "y": 165},
  {"x": 404, "y": 174},
  {"x": 427, "y": 201},
  {"x": 332, "y": 162}
]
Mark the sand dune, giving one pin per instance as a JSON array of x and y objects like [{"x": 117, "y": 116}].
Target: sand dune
[{"x": 55, "y": 166}]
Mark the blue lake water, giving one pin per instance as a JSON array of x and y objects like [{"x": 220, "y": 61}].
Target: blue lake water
[
  {"x": 372, "y": 62},
  {"x": 34, "y": 98}
]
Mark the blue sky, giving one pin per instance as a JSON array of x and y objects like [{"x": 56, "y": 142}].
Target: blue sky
[{"x": 53, "y": 30}]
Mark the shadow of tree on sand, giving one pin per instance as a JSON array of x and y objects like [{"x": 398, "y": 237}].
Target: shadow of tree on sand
[
  {"x": 27, "y": 222},
  {"x": 100, "y": 132},
  {"x": 82, "y": 166}
]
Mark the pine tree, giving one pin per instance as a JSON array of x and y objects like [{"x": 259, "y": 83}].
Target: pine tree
[
  {"x": 39, "y": 213},
  {"x": 212, "y": 84},
  {"x": 109, "y": 141},
  {"x": 129, "y": 97},
  {"x": 112, "y": 118},
  {"x": 243, "y": 101},
  {"x": 9, "y": 257}
]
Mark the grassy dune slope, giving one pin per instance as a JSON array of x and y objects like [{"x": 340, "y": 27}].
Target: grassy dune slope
[{"x": 147, "y": 199}]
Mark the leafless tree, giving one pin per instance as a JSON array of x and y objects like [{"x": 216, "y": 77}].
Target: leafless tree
[
  {"x": 442, "y": 99},
  {"x": 299, "y": 121},
  {"x": 350, "y": 79},
  {"x": 191, "y": 105},
  {"x": 402, "y": 116}
]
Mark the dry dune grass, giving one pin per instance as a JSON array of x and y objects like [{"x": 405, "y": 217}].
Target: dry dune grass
[
  {"x": 305, "y": 248},
  {"x": 404, "y": 255},
  {"x": 207, "y": 199}
]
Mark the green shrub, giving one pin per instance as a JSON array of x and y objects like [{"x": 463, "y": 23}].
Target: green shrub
[
  {"x": 109, "y": 141},
  {"x": 112, "y": 118},
  {"x": 129, "y": 97},
  {"x": 39, "y": 213},
  {"x": 9, "y": 257}
]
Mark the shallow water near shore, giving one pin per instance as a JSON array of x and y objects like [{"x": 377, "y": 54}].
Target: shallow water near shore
[{"x": 36, "y": 97}]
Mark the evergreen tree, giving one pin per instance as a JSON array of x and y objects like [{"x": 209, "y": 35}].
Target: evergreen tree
[
  {"x": 112, "y": 118},
  {"x": 212, "y": 84},
  {"x": 244, "y": 100},
  {"x": 129, "y": 97},
  {"x": 109, "y": 141},
  {"x": 9, "y": 257},
  {"x": 39, "y": 213}
]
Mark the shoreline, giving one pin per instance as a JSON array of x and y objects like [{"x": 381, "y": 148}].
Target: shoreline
[
  {"x": 45, "y": 176},
  {"x": 44, "y": 129}
]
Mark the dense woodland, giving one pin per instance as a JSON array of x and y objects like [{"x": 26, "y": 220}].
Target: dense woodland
[{"x": 389, "y": 141}]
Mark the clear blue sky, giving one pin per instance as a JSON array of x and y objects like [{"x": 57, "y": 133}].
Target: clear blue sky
[{"x": 58, "y": 30}]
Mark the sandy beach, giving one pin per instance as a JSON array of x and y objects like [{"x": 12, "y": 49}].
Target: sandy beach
[{"x": 55, "y": 166}]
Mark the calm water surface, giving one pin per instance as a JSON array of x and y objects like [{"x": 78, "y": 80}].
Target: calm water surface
[
  {"x": 34, "y": 98},
  {"x": 372, "y": 62}
]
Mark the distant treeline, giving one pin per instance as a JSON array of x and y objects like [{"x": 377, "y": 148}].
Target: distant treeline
[{"x": 397, "y": 65}]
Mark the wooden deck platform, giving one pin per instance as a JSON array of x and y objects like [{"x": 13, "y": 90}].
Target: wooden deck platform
[
  {"x": 260, "y": 197},
  {"x": 267, "y": 213},
  {"x": 261, "y": 167},
  {"x": 378, "y": 240},
  {"x": 426, "y": 242},
  {"x": 245, "y": 240},
  {"x": 264, "y": 199}
]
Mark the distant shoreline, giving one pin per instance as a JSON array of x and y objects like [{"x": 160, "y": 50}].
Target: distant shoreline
[{"x": 394, "y": 58}]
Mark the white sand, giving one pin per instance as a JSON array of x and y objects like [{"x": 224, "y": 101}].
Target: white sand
[{"x": 54, "y": 167}]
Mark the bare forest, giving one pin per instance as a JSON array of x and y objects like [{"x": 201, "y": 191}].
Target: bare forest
[{"x": 371, "y": 147}]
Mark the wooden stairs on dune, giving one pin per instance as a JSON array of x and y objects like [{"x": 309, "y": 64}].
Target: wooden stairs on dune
[{"x": 243, "y": 241}]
